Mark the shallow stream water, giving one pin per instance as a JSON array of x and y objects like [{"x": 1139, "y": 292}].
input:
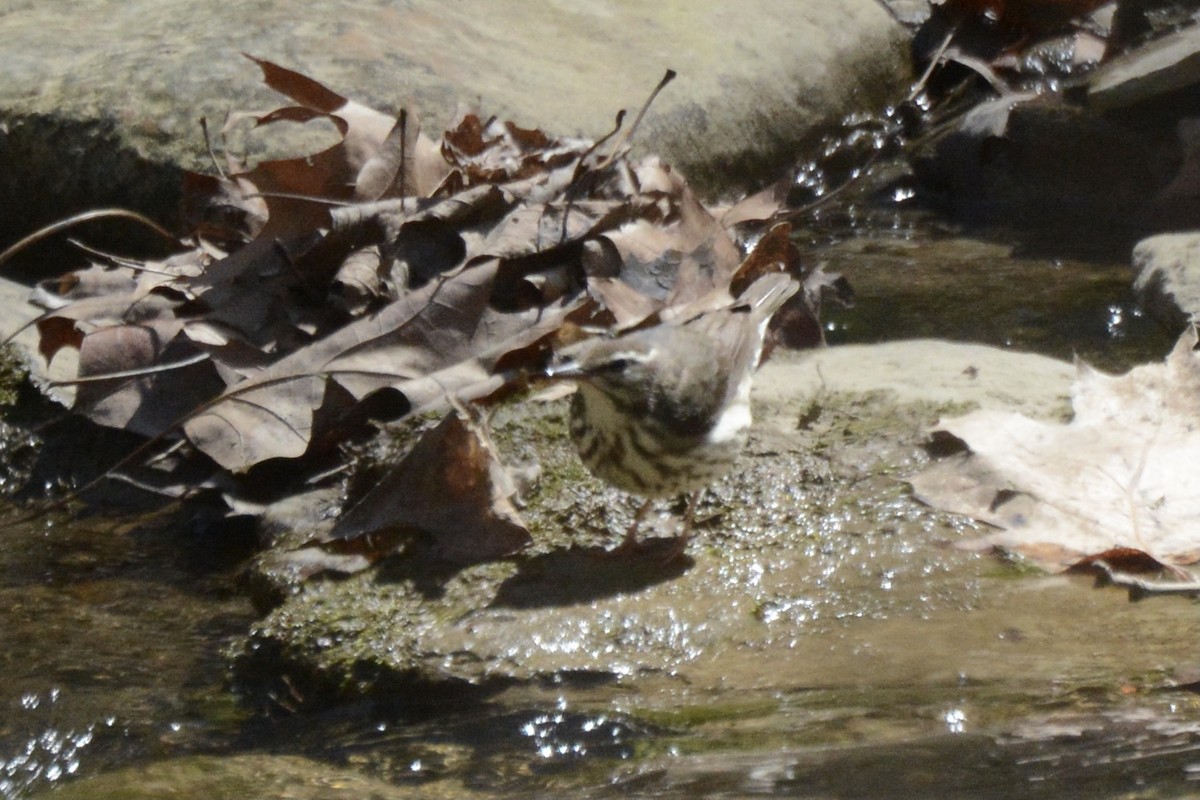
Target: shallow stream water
[{"x": 928, "y": 672}]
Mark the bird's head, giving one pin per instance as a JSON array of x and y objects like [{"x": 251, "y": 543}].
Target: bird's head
[{"x": 622, "y": 368}]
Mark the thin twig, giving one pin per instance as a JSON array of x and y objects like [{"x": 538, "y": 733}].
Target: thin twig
[
  {"x": 919, "y": 86},
  {"x": 1140, "y": 589},
  {"x": 120, "y": 261},
  {"x": 619, "y": 147},
  {"x": 78, "y": 219},
  {"x": 134, "y": 373},
  {"x": 308, "y": 198},
  {"x": 581, "y": 169},
  {"x": 404, "y": 154},
  {"x": 211, "y": 153}
]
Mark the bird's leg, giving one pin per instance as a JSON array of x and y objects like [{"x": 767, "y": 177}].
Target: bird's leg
[
  {"x": 689, "y": 517},
  {"x": 630, "y": 544}
]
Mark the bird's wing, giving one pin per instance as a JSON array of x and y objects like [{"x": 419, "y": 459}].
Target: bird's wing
[{"x": 741, "y": 335}]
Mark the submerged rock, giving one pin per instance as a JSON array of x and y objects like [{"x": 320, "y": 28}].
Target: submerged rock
[
  {"x": 1046, "y": 163},
  {"x": 241, "y": 776}
]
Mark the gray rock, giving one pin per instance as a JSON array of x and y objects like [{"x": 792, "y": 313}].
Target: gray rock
[
  {"x": 101, "y": 100},
  {"x": 1046, "y": 163},
  {"x": 1104, "y": 159},
  {"x": 793, "y": 541},
  {"x": 929, "y": 371},
  {"x": 1167, "y": 269},
  {"x": 1162, "y": 67}
]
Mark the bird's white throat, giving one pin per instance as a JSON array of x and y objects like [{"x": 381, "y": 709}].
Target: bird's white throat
[{"x": 735, "y": 419}]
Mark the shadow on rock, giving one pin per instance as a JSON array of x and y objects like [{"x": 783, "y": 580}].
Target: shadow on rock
[
  {"x": 582, "y": 574},
  {"x": 427, "y": 574}
]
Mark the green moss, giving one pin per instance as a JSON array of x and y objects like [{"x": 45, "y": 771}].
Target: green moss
[
  {"x": 567, "y": 505},
  {"x": 13, "y": 374},
  {"x": 1008, "y": 565}
]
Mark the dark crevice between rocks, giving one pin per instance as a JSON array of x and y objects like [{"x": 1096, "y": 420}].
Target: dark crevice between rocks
[
  {"x": 54, "y": 167},
  {"x": 275, "y": 681}
]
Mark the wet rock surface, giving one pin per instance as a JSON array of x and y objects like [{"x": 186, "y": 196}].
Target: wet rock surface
[
  {"x": 1167, "y": 276},
  {"x": 102, "y": 101},
  {"x": 243, "y": 776},
  {"x": 780, "y": 548},
  {"x": 1150, "y": 73}
]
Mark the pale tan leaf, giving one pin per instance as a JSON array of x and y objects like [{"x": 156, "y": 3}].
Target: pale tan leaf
[{"x": 1120, "y": 474}]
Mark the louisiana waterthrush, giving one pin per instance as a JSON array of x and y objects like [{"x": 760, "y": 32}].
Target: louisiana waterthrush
[{"x": 665, "y": 411}]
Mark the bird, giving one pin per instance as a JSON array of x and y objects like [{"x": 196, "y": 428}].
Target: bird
[{"x": 665, "y": 411}]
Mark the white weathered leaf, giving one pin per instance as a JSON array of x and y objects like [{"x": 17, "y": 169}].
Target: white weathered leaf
[{"x": 1122, "y": 473}]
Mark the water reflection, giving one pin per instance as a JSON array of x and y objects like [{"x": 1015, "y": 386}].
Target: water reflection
[
  {"x": 956, "y": 720},
  {"x": 987, "y": 292},
  {"x": 49, "y": 752},
  {"x": 563, "y": 735},
  {"x": 1116, "y": 756},
  {"x": 108, "y": 643}
]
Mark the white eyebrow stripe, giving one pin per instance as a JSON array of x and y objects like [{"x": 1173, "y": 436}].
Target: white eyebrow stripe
[{"x": 634, "y": 355}]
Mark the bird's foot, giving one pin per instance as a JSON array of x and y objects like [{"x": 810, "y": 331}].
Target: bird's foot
[{"x": 663, "y": 549}]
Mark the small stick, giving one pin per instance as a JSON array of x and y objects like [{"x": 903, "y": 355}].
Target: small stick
[
  {"x": 619, "y": 147},
  {"x": 1141, "y": 589},
  {"x": 87, "y": 216}
]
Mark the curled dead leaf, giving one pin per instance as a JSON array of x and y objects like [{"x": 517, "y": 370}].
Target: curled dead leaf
[{"x": 452, "y": 487}]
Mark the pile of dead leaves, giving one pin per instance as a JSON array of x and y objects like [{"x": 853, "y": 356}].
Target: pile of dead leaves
[{"x": 386, "y": 275}]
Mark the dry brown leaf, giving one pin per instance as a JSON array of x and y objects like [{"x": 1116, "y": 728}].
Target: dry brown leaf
[
  {"x": 797, "y": 324},
  {"x": 383, "y": 173},
  {"x": 222, "y": 209},
  {"x": 66, "y": 326},
  {"x": 330, "y": 175},
  {"x": 451, "y": 486},
  {"x": 1126, "y": 561},
  {"x": 675, "y": 251},
  {"x": 502, "y": 152},
  {"x": 95, "y": 281},
  {"x": 360, "y": 281},
  {"x": 760, "y": 207},
  {"x": 258, "y": 419},
  {"x": 365, "y": 128},
  {"x": 628, "y": 307},
  {"x": 149, "y": 404},
  {"x": 433, "y": 344},
  {"x": 254, "y": 292}
]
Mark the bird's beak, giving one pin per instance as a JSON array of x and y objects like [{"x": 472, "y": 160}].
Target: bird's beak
[{"x": 563, "y": 368}]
